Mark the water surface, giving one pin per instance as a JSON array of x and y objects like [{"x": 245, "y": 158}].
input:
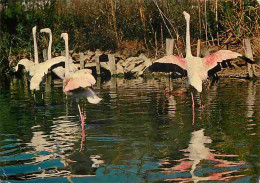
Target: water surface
[{"x": 136, "y": 134}]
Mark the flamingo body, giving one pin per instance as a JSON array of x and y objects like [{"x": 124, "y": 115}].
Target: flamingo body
[
  {"x": 196, "y": 72},
  {"x": 79, "y": 79}
]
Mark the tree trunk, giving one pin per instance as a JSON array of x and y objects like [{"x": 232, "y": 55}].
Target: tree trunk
[{"x": 113, "y": 13}]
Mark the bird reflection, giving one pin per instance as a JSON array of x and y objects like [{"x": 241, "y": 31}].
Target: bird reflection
[
  {"x": 59, "y": 144},
  {"x": 198, "y": 153},
  {"x": 251, "y": 99}
]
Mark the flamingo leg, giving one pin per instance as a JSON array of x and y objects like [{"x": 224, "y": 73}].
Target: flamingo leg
[
  {"x": 201, "y": 105},
  {"x": 82, "y": 128},
  {"x": 34, "y": 97},
  {"x": 82, "y": 138},
  {"x": 81, "y": 117},
  {"x": 193, "y": 108},
  {"x": 43, "y": 102},
  {"x": 164, "y": 91}
]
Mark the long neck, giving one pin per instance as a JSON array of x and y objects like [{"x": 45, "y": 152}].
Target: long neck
[
  {"x": 67, "y": 58},
  {"x": 188, "y": 46},
  {"x": 49, "y": 47},
  {"x": 35, "y": 48}
]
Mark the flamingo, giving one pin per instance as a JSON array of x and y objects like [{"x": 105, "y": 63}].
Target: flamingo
[
  {"x": 197, "y": 68},
  {"x": 59, "y": 71},
  {"x": 78, "y": 84},
  {"x": 26, "y": 63}
]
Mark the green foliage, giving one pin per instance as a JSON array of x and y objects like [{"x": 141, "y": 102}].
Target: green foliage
[{"x": 105, "y": 24}]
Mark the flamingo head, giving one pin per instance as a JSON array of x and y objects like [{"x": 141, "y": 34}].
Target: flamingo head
[
  {"x": 186, "y": 15},
  {"x": 46, "y": 30},
  {"x": 34, "y": 30},
  {"x": 64, "y": 36}
]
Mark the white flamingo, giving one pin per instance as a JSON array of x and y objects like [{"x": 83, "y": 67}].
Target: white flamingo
[
  {"x": 59, "y": 71},
  {"x": 26, "y": 63},
  {"x": 78, "y": 84},
  {"x": 197, "y": 68}
]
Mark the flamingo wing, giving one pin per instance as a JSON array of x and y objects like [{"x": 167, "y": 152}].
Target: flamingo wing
[
  {"x": 212, "y": 60},
  {"x": 25, "y": 63},
  {"x": 59, "y": 68},
  {"x": 170, "y": 63}
]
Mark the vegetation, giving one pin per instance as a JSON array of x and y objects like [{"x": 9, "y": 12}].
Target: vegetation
[{"x": 120, "y": 24}]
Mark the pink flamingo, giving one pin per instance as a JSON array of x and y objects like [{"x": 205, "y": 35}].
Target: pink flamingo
[
  {"x": 78, "y": 84},
  {"x": 197, "y": 68}
]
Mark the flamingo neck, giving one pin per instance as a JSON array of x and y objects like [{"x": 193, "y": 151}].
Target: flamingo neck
[
  {"x": 188, "y": 46},
  {"x": 36, "y": 60},
  {"x": 67, "y": 57},
  {"x": 49, "y": 47}
]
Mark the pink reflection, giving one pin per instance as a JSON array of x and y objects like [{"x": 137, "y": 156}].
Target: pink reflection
[
  {"x": 82, "y": 138},
  {"x": 197, "y": 152}
]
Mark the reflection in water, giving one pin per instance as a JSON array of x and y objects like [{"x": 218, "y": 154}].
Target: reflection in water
[
  {"x": 250, "y": 104},
  {"x": 135, "y": 128},
  {"x": 196, "y": 153},
  {"x": 60, "y": 144}
]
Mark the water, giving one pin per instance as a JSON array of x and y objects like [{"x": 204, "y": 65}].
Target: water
[{"x": 136, "y": 134}]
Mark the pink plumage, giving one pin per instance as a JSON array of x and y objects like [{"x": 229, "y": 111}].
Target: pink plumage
[
  {"x": 212, "y": 60},
  {"x": 79, "y": 79},
  {"x": 172, "y": 59}
]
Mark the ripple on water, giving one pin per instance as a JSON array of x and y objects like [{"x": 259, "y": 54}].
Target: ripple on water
[{"x": 136, "y": 134}]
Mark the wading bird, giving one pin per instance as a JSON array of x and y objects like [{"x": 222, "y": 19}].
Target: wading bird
[
  {"x": 26, "y": 63},
  {"x": 197, "y": 68},
  {"x": 58, "y": 71},
  {"x": 78, "y": 84}
]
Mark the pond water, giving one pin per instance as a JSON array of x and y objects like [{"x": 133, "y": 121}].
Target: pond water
[{"x": 136, "y": 134}]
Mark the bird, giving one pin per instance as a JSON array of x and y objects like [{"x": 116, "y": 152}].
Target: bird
[
  {"x": 56, "y": 65},
  {"x": 197, "y": 68},
  {"x": 59, "y": 70},
  {"x": 78, "y": 84},
  {"x": 26, "y": 63}
]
